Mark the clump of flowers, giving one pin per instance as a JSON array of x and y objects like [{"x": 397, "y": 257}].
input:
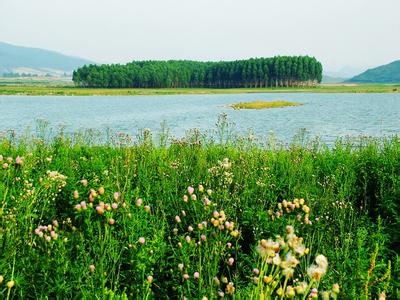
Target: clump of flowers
[
  {"x": 297, "y": 210},
  {"x": 277, "y": 271},
  {"x": 204, "y": 235},
  {"x": 222, "y": 173}
]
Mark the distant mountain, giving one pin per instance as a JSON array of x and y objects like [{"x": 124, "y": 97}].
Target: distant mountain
[
  {"x": 345, "y": 72},
  {"x": 18, "y": 59},
  {"x": 331, "y": 79},
  {"x": 389, "y": 73}
]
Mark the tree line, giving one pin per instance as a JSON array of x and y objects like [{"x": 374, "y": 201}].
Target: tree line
[{"x": 279, "y": 71}]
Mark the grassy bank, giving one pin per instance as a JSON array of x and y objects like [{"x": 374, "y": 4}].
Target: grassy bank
[
  {"x": 198, "y": 219},
  {"x": 264, "y": 104},
  {"x": 47, "y": 90}
]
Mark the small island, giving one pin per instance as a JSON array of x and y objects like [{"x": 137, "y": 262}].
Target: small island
[{"x": 264, "y": 104}]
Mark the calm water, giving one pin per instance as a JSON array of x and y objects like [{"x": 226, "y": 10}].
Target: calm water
[{"x": 326, "y": 115}]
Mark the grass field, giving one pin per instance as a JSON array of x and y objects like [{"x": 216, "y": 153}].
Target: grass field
[
  {"x": 43, "y": 89},
  {"x": 198, "y": 219}
]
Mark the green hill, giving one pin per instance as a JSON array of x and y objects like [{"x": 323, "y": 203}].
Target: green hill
[
  {"x": 389, "y": 73},
  {"x": 17, "y": 59}
]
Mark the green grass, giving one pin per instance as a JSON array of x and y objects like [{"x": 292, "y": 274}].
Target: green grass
[
  {"x": 108, "y": 244},
  {"x": 67, "y": 90},
  {"x": 264, "y": 104}
]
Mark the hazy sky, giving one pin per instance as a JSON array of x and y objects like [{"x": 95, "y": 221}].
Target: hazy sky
[{"x": 358, "y": 33}]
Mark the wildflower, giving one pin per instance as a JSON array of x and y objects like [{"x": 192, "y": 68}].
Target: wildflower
[
  {"x": 314, "y": 293},
  {"x": 181, "y": 266},
  {"x": 111, "y": 221},
  {"x": 267, "y": 279},
  {"x": 300, "y": 289},
  {"x": 186, "y": 276},
  {"x": 235, "y": 233},
  {"x": 179, "y": 244},
  {"x": 185, "y": 198},
  {"x": 19, "y": 161},
  {"x": 196, "y": 275},
  {"x": 175, "y": 231},
  {"x": 216, "y": 281},
  {"x": 256, "y": 280},
  {"x": 116, "y": 196},
  {"x": 290, "y": 292},
  {"x": 190, "y": 228},
  {"x": 221, "y": 294},
  {"x": 150, "y": 279},
  {"x": 114, "y": 205},
  {"x": 177, "y": 219},
  {"x": 325, "y": 295},
  {"x": 382, "y": 296},
  {"x": 139, "y": 202},
  {"x": 335, "y": 288},
  {"x": 83, "y": 205},
  {"x": 203, "y": 237},
  {"x": 193, "y": 197},
  {"x": 1, "y": 279},
  {"x": 231, "y": 261},
  {"x": 209, "y": 192},
  {"x": 92, "y": 268},
  {"x": 10, "y": 284},
  {"x": 230, "y": 289},
  {"x": 78, "y": 207},
  {"x": 101, "y": 190},
  {"x": 288, "y": 272},
  {"x": 53, "y": 235},
  {"x": 5, "y": 166},
  {"x": 142, "y": 240},
  {"x": 200, "y": 226},
  {"x": 190, "y": 190},
  {"x": 100, "y": 210},
  {"x": 229, "y": 245},
  {"x": 321, "y": 261},
  {"x": 256, "y": 271},
  {"x": 188, "y": 239},
  {"x": 48, "y": 238},
  {"x": 201, "y": 188},
  {"x": 84, "y": 182},
  {"x": 147, "y": 208}
]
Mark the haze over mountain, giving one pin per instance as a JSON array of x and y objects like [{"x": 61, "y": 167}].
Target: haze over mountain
[
  {"x": 19, "y": 59},
  {"x": 389, "y": 73}
]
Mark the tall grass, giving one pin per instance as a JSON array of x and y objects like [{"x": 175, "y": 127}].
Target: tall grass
[{"x": 199, "y": 217}]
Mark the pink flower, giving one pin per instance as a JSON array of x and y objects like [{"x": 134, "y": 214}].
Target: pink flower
[
  {"x": 186, "y": 276},
  {"x": 48, "y": 238},
  {"x": 19, "y": 161},
  {"x": 83, "y": 205},
  {"x": 203, "y": 237},
  {"x": 84, "y": 182},
  {"x": 78, "y": 207},
  {"x": 5, "y": 166},
  {"x": 92, "y": 268},
  {"x": 188, "y": 239},
  {"x": 147, "y": 208},
  {"x": 114, "y": 205},
  {"x": 190, "y": 190},
  {"x": 142, "y": 240},
  {"x": 139, "y": 202},
  {"x": 231, "y": 261},
  {"x": 111, "y": 221},
  {"x": 100, "y": 210},
  {"x": 196, "y": 275},
  {"x": 116, "y": 196},
  {"x": 177, "y": 219}
]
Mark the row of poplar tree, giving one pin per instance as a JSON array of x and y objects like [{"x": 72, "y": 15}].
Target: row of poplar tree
[{"x": 279, "y": 71}]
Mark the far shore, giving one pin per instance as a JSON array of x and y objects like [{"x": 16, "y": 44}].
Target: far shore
[{"x": 69, "y": 90}]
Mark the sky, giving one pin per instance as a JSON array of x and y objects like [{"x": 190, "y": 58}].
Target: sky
[{"x": 356, "y": 34}]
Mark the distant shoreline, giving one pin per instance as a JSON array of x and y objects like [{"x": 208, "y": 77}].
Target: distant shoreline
[{"x": 59, "y": 90}]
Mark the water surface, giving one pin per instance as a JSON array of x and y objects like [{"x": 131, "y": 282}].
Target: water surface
[{"x": 325, "y": 115}]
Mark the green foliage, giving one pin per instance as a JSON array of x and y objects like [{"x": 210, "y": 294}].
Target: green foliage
[
  {"x": 122, "y": 221},
  {"x": 279, "y": 71}
]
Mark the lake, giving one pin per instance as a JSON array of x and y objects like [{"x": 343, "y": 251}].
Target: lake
[{"x": 325, "y": 115}]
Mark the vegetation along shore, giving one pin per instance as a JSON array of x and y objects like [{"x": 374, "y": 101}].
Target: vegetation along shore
[
  {"x": 198, "y": 218},
  {"x": 51, "y": 90}
]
